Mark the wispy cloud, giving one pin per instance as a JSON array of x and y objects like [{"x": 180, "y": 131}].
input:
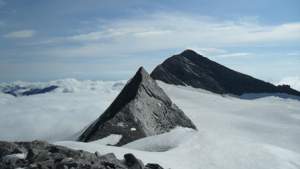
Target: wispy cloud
[
  {"x": 162, "y": 31},
  {"x": 236, "y": 55},
  {"x": 294, "y": 53},
  {"x": 20, "y": 34}
]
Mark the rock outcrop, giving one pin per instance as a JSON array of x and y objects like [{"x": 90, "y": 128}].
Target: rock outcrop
[
  {"x": 41, "y": 155},
  {"x": 141, "y": 109},
  {"x": 192, "y": 69}
]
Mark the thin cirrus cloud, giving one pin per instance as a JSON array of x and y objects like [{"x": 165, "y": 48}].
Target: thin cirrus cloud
[
  {"x": 236, "y": 55},
  {"x": 174, "y": 30},
  {"x": 20, "y": 34}
]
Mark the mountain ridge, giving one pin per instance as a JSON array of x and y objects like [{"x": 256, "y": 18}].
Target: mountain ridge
[{"x": 192, "y": 69}]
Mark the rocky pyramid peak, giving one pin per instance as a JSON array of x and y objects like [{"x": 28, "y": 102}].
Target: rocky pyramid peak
[{"x": 141, "y": 109}]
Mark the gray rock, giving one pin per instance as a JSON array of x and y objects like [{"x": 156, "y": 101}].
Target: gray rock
[
  {"x": 7, "y": 148},
  {"x": 141, "y": 109},
  {"x": 41, "y": 155}
]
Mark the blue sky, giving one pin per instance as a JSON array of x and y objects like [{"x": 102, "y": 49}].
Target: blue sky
[{"x": 108, "y": 40}]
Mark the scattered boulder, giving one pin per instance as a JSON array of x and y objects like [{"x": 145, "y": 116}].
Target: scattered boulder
[
  {"x": 141, "y": 109},
  {"x": 132, "y": 162}
]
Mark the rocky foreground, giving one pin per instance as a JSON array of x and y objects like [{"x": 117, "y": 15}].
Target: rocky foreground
[{"x": 42, "y": 155}]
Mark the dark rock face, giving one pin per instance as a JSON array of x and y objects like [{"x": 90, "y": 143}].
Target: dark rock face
[
  {"x": 192, "y": 69},
  {"x": 141, "y": 109},
  {"x": 41, "y": 155},
  {"x": 26, "y": 91}
]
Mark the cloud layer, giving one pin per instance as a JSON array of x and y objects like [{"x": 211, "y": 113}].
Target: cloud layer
[{"x": 57, "y": 115}]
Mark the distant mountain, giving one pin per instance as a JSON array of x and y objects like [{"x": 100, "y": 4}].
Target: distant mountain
[
  {"x": 16, "y": 90},
  {"x": 190, "y": 68},
  {"x": 141, "y": 109}
]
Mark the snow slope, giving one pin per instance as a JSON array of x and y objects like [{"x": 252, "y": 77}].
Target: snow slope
[{"x": 232, "y": 133}]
